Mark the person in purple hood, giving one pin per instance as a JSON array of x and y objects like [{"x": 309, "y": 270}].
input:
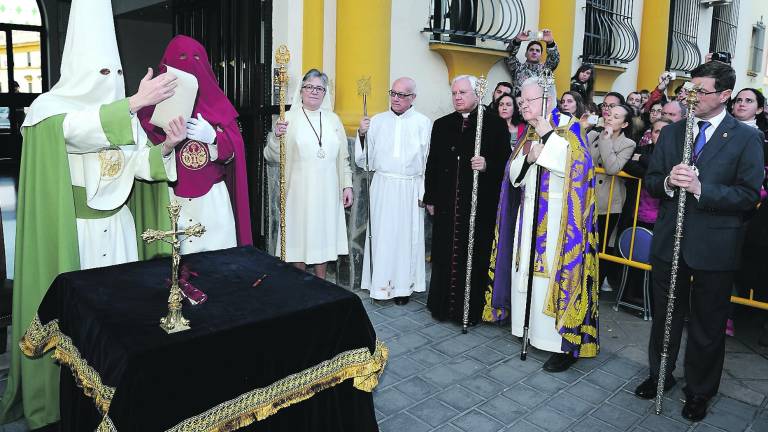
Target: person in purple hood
[{"x": 212, "y": 185}]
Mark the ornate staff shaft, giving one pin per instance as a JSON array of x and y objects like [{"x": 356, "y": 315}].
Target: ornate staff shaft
[
  {"x": 480, "y": 91},
  {"x": 693, "y": 101},
  {"x": 546, "y": 81},
  {"x": 282, "y": 56},
  {"x": 363, "y": 89}
]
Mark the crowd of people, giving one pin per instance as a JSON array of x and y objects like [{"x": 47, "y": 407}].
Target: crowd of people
[
  {"x": 517, "y": 224},
  {"x": 541, "y": 199}
]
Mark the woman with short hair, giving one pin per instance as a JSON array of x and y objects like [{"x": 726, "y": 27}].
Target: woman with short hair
[{"x": 318, "y": 176}]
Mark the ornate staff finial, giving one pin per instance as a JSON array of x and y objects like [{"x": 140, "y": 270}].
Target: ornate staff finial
[
  {"x": 364, "y": 86},
  {"x": 481, "y": 87},
  {"x": 692, "y": 95},
  {"x": 282, "y": 55},
  {"x": 546, "y": 80}
]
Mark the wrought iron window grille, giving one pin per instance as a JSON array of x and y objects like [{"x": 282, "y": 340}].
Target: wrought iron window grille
[
  {"x": 683, "y": 53},
  {"x": 465, "y": 21},
  {"x": 610, "y": 37},
  {"x": 725, "y": 19},
  {"x": 756, "y": 48}
]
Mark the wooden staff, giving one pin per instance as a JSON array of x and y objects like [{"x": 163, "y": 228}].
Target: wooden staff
[
  {"x": 480, "y": 88},
  {"x": 282, "y": 57},
  {"x": 363, "y": 89},
  {"x": 693, "y": 101},
  {"x": 545, "y": 81}
]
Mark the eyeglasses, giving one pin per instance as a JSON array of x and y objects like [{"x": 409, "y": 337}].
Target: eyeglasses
[
  {"x": 702, "y": 92},
  {"x": 610, "y": 106},
  {"x": 523, "y": 101},
  {"x": 313, "y": 89},
  {"x": 656, "y": 111},
  {"x": 399, "y": 95}
]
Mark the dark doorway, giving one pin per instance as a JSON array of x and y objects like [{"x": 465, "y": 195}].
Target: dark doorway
[
  {"x": 237, "y": 36},
  {"x": 23, "y": 73}
]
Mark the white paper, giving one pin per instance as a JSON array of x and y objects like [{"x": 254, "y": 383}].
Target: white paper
[{"x": 180, "y": 104}]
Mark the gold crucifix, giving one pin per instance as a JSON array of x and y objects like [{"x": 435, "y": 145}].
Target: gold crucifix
[{"x": 174, "y": 321}]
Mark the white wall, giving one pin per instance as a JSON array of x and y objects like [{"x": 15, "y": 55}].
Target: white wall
[
  {"x": 411, "y": 56},
  {"x": 579, "y": 20},
  {"x": 750, "y": 13},
  {"x": 705, "y": 29},
  {"x": 627, "y": 82},
  {"x": 329, "y": 44},
  {"x": 287, "y": 24}
]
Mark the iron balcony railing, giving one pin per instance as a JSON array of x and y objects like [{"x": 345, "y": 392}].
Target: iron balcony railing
[
  {"x": 609, "y": 36},
  {"x": 725, "y": 18},
  {"x": 683, "y": 52},
  {"x": 466, "y": 21}
]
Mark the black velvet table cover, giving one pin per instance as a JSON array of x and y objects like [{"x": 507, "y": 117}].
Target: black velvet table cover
[{"x": 243, "y": 338}]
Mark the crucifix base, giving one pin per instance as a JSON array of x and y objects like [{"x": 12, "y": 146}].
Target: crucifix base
[{"x": 174, "y": 322}]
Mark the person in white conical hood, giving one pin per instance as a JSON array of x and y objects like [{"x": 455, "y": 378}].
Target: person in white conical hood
[
  {"x": 83, "y": 149},
  {"x": 318, "y": 176}
]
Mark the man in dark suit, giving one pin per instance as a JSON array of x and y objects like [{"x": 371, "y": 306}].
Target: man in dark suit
[{"x": 723, "y": 184}]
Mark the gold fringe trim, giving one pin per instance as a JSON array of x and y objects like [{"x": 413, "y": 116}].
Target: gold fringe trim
[
  {"x": 359, "y": 364},
  {"x": 39, "y": 339}
]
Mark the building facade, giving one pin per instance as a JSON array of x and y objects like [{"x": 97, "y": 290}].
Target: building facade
[{"x": 630, "y": 41}]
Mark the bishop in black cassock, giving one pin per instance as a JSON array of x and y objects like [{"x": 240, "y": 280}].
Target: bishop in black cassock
[{"x": 448, "y": 194}]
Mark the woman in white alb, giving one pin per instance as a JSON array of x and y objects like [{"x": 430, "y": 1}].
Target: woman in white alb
[{"x": 318, "y": 177}]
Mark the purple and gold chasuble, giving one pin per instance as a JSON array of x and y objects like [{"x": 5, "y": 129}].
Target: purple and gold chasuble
[{"x": 572, "y": 290}]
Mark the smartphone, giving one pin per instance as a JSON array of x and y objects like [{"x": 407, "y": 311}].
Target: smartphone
[
  {"x": 593, "y": 119},
  {"x": 539, "y": 35}
]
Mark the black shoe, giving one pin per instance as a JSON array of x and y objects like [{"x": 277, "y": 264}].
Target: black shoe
[
  {"x": 559, "y": 362},
  {"x": 402, "y": 300},
  {"x": 695, "y": 408},
  {"x": 647, "y": 390}
]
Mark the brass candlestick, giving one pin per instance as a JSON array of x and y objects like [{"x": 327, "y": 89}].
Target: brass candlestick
[
  {"x": 174, "y": 321},
  {"x": 282, "y": 57}
]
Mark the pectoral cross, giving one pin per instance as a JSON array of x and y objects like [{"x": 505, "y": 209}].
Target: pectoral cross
[{"x": 174, "y": 321}]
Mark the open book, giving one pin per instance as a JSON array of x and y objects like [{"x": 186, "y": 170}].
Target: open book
[{"x": 180, "y": 104}]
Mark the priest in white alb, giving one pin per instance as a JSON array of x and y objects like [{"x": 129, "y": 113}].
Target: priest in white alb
[
  {"x": 396, "y": 143},
  {"x": 554, "y": 159}
]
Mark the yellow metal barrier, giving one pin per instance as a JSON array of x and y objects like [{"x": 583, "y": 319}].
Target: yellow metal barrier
[{"x": 603, "y": 255}]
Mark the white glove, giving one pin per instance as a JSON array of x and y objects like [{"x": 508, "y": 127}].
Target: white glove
[{"x": 200, "y": 130}]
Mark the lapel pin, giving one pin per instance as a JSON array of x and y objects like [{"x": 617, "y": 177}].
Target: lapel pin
[{"x": 725, "y": 134}]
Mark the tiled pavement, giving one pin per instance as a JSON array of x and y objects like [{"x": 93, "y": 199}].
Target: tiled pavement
[{"x": 440, "y": 380}]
